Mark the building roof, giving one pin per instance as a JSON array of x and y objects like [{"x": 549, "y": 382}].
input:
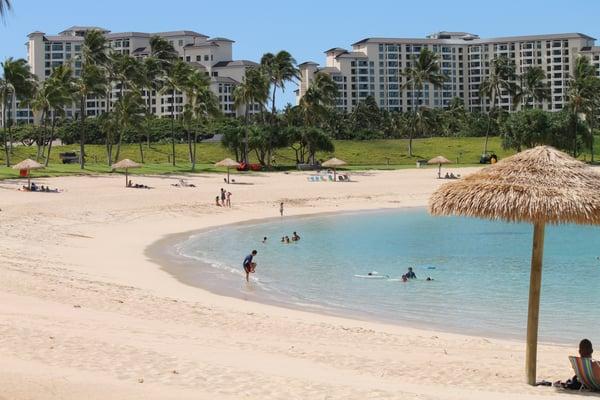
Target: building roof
[
  {"x": 474, "y": 39},
  {"x": 329, "y": 70},
  {"x": 220, "y": 39},
  {"x": 117, "y": 35},
  {"x": 200, "y": 45},
  {"x": 141, "y": 50},
  {"x": 83, "y": 28},
  {"x": 235, "y": 63},
  {"x": 225, "y": 79},
  {"x": 180, "y": 33},
  {"x": 35, "y": 33},
  {"x": 352, "y": 54},
  {"x": 308, "y": 63},
  {"x": 64, "y": 38},
  {"x": 335, "y": 49}
]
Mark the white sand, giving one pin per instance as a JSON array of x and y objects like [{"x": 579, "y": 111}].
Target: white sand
[{"x": 84, "y": 313}]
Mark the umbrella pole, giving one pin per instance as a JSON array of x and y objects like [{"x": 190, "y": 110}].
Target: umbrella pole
[
  {"x": 227, "y": 174},
  {"x": 440, "y": 171},
  {"x": 28, "y": 180},
  {"x": 535, "y": 283},
  {"x": 334, "y": 175},
  {"x": 126, "y": 179}
]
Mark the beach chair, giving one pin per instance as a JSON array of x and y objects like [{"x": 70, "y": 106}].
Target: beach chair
[{"x": 587, "y": 371}]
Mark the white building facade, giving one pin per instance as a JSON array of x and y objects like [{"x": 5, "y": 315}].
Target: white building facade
[
  {"x": 214, "y": 56},
  {"x": 374, "y": 67}
]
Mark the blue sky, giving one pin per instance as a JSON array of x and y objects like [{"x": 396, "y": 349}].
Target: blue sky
[{"x": 305, "y": 28}]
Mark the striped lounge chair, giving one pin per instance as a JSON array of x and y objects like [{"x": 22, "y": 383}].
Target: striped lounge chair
[{"x": 587, "y": 371}]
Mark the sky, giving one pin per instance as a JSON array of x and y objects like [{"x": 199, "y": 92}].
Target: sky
[{"x": 305, "y": 28}]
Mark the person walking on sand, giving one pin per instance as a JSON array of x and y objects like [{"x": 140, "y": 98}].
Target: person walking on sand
[
  {"x": 281, "y": 208},
  {"x": 228, "y": 197},
  {"x": 223, "y": 195},
  {"x": 249, "y": 264}
]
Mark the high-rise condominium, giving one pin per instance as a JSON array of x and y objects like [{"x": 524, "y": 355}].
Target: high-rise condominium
[
  {"x": 374, "y": 67},
  {"x": 210, "y": 55}
]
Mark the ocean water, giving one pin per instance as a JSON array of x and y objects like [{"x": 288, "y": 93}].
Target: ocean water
[{"x": 480, "y": 270}]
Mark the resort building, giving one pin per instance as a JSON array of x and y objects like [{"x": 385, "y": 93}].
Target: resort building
[
  {"x": 214, "y": 56},
  {"x": 374, "y": 67}
]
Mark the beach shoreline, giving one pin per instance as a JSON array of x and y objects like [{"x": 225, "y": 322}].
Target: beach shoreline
[{"x": 93, "y": 304}]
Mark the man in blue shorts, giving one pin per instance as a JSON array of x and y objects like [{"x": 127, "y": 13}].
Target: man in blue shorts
[{"x": 249, "y": 266}]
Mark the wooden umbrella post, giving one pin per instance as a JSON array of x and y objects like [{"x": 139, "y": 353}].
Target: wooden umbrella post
[
  {"x": 439, "y": 170},
  {"x": 227, "y": 175},
  {"x": 126, "y": 177},
  {"x": 535, "y": 283}
]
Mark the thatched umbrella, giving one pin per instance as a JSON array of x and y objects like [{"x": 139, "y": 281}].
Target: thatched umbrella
[
  {"x": 334, "y": 163},
  {"x": 541, "y": 185},
  {"x": 126, "y": 164},
  {"x": 439, "y": 160},
  {"x": 229, "y": 163},
  {"x": 28, "y": 165}
]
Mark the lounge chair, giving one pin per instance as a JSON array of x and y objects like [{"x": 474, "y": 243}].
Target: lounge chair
[{"x": 587, "y": 373}]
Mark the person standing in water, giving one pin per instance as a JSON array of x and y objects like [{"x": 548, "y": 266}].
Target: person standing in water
[
  {"x": 249, "y": 264},
  {"x": 410, "y": 274}
]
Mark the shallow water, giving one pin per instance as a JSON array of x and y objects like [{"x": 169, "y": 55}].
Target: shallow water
[{"x": 480, "y": 270}]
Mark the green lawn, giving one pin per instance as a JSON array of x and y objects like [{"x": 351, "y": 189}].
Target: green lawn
[{"x": 375, "y": 154}]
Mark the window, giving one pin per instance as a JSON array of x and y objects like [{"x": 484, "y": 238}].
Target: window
[
  {"x": 206, "y": 57},
  {"x": 180, "y": 43},
  {"x": 57, "y": 46},
  {"x": 188, "y": 58},
  {"x": 215, "y": 73}
]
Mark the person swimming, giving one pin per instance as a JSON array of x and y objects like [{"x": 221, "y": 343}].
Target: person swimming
[
  {"x": 295, "y": 237},
  {"x": 264, "y": 240},
  {"x": 410, "y": 274}
]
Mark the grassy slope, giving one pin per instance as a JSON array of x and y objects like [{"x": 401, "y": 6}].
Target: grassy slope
[{"x": 378, "y": 154}]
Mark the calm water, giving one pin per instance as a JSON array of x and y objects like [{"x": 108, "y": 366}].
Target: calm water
[{"x": 480, "y": 270}]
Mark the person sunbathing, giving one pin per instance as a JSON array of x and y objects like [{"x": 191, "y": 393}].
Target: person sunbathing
[{"x": 585, "y": 351}]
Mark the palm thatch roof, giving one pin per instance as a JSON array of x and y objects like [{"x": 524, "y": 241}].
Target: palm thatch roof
[
  {"x": 334, "y": 162},
  {"x": 228, "y": 162},
  {"x": 126, "y": 164},
  {"x": 439, "y": 160},
  {"x": 537, "y": 185},
  {"x": 28, "y": 164}
]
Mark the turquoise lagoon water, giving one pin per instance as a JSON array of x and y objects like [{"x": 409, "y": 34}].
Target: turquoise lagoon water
[{"x": 480, "y": 270}]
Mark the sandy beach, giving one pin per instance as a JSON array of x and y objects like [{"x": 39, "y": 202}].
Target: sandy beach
[{"x": 86, "y": 314}]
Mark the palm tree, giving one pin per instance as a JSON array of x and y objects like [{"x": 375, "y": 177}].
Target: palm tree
[
  {"x": 60, "y": 87},
  {"x": 254, "y": 90},
  {"x": 163, "y": 51},
  {"x": 501, "y": 78},
  {"x": 128, "y": 113},
  {"x": 92, "y": 79},
  {"x": 175, "y": 81},
  {"x": 201, "y": 104},
  {"x": 425, "y": 69},
  {"x": 16, "y": 83},
  {"x": 533, "y": 87},
  {"x": 583, "y": 98},
  {"x": 4, "y": 7},
  {"x": 318, "y": 100},
  {"x": 281, "y": 68},
  {"x": 151, "y": 80}
]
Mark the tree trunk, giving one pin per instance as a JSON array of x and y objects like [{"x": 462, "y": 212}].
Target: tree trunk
[
  {"x": 173, "y": 125},
  {"x": 273, "y": 110},
  {"x": 51, "y": 139},
  {"x": 246, "y": 134},
  {"x": 82, "y": 108},
  {"x": 195, "y": 138},
  {"x": 42, "y": 138},
  {"x": 6, "y": 150},
  {"x": 487, "y": 132},
  {"x": 141, "y": 151}
]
